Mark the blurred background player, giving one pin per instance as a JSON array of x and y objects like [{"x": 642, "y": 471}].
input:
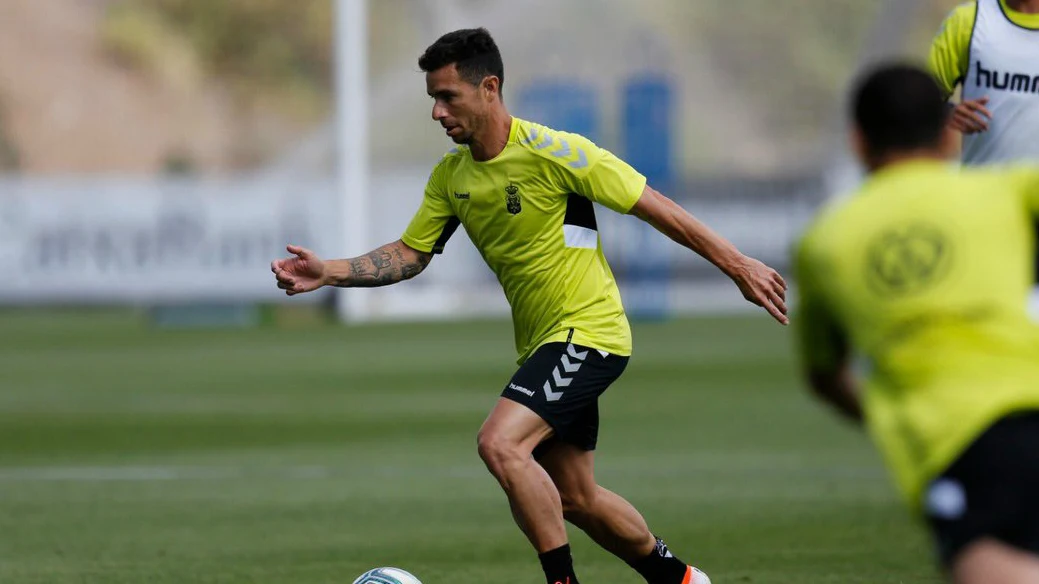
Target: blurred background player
[
  {"x": 925, "y": 273},
  {"x": 524, "y": 194},
  {"x": 991, "y": 49}
]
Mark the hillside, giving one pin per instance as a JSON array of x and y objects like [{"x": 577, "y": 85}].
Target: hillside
[{"x": 224, "y": 85}]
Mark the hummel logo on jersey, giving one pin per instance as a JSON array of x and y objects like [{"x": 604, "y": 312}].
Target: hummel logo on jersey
[
  {"x": 521, "y": 389},
  {"x": 463, "y": 196},
  {"x": 1010, "y": 81},
  {"x": 512, "y": 200},
  {"x": 560, "y": 379}
]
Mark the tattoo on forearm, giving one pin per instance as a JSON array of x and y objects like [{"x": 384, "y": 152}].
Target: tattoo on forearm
[
  {"x": 381, "y": 259},
  {"x": 412, "y": 269},
  {"x": 386, "y": 265},
  {"x": 359, "y": 268}
]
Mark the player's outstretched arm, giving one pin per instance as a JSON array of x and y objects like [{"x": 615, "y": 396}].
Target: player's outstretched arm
[
  {"x": 389, "y": 264},
  {"x": 759, "y": 283}
]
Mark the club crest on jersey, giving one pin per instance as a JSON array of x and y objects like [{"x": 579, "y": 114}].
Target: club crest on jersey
[
  {"x": 909, "y": 259},
  {"x": 512, "y": 200}
]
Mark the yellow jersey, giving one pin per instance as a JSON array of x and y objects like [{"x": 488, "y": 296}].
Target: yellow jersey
[
  {"x": 529, "y": 213},
  {"x": 925, "y": 273}
]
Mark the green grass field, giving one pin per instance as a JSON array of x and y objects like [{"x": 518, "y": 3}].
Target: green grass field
[{"x": 310, "y": 454}]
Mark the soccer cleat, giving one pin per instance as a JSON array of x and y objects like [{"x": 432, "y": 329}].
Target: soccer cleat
[{"x": 695, "y": 576}]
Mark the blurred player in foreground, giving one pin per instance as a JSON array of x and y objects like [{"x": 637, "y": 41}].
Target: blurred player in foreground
[
  {"x": 924, "y": 274},
  {"x": 524, "y": 195}
]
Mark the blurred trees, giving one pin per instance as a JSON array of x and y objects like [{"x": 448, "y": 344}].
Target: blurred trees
[{"x": 268, "y": 53}]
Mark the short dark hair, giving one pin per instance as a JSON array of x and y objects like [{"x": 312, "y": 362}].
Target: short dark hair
[
  {"x": 898, "y": 106},
  {"x": 473, "y": 52}
]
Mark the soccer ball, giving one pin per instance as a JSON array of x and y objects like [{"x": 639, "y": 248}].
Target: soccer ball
[{"x": 386, "y": 576}]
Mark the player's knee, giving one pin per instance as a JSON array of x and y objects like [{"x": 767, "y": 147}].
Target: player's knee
[
  {"x": 577, "y": 502},
  {"x": 496, "y": 450}
]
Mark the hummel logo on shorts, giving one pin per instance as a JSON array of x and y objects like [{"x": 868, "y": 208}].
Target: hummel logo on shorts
[{"x": 522, "y": 389}]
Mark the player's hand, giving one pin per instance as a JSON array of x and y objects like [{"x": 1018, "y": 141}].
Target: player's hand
[
  {"x": 303, "y": 272},
  {"x": 763, "y": 286},
  {"x": 970, "y": 116}
]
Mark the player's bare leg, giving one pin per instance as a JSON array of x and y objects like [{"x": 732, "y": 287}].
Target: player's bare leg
[
  {"x": 505, "y": 443},
  {"x": 609, "y": 519},
  {"x": 991, "y": 562}
]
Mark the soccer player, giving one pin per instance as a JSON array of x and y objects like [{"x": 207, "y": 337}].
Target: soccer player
[
  {"x": 923, "y": 274},
  {"x": 524, "y": 194},
  {"x": 991, "y": 48}
]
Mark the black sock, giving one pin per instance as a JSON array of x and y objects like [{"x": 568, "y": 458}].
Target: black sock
[
  {"x": 558, "y": 565},
  {"x": 660, "y": 566}
]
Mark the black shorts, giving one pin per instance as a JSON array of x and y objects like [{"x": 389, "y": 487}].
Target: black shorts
[
  {"x": 562, "y": 382},
  {"x": 992, "y": 490}
]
